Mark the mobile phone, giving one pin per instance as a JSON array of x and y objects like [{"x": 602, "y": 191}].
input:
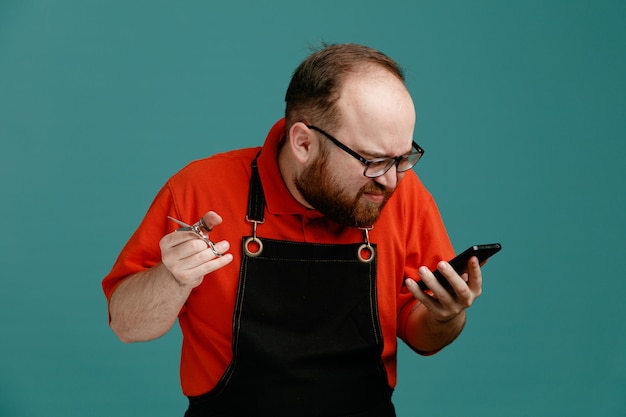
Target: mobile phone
[{"x": 459, "y": 263}]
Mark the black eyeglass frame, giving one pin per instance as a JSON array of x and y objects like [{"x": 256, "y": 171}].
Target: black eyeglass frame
[{"x": 367, "y": 162}]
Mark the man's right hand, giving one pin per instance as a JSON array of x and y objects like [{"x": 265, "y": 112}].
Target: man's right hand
[{"x": 188, "y": 258}]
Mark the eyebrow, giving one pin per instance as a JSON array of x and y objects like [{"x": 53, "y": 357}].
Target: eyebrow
[{"x": 377, "y": 155}]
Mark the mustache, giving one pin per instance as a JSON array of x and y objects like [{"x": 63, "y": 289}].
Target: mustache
[{"x": 375, "y": 187}]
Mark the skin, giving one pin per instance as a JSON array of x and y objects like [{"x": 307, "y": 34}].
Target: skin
[
  {"x": 378, "y": 120},
  {"x": 146, "y": 304}
]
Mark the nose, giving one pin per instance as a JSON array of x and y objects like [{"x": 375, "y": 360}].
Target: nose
[{"x": 390, "y": 178}]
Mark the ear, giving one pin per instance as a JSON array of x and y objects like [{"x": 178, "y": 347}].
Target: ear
[{"x": 303, "y": 143}]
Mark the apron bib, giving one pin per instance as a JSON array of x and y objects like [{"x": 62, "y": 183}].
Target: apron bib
[{"x": 306, "y": 335}]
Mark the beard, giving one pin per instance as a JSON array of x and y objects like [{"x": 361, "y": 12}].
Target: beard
[{"x": 329, "y": 197}]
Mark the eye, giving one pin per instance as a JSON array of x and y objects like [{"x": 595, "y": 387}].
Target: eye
[{"x": 378, "y": 166}]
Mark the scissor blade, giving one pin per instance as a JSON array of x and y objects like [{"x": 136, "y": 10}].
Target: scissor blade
[{"x": 179, "y": 222}]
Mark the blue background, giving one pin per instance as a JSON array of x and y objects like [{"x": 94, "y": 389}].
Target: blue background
[{"x": 521, "y": 109}]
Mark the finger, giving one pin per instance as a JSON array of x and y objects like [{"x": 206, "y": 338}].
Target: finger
[
  {"x": 459, "y": 283},
  {"x": 206, "y": 255},
  {"x": 454, "y": 281},
  {"x": 176, "y": 238},
  {"x": 182, "y": 252},
  {"x": 417, "y": 292},
  {"x": 190, "y": 270},
  {"x": 441, "y": 311},
  {"x": 214, "y": 264},
  {"x": 429, "y": 279},
  {"x": 475, "y": 277},
  {"x": 444, "y": 304},
  {"x": 211, "y": 219},
  {"x": 194, "y": 268}
]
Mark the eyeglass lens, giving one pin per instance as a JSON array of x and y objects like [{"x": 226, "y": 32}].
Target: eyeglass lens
[{"x": 403, "y": 163}]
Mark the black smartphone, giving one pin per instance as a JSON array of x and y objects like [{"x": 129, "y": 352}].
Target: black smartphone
[{"x": 459, "y": 263}]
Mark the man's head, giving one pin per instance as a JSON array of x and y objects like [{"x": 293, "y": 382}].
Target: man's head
[
  {"x": 316, "y": 83},
  {"x": 346, "y": 104}
]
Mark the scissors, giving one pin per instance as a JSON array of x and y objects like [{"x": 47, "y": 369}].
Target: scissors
[{"x": 197, "y": 229}]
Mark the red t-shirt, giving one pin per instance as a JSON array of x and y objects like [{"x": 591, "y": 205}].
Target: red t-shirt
[{"x": 408, "y": 234}]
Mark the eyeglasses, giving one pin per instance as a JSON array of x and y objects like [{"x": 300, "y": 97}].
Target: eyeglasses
[{"x": 379, "y": 166}]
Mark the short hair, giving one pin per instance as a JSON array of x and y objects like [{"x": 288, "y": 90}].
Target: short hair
[{"x": 314, "y": 88}]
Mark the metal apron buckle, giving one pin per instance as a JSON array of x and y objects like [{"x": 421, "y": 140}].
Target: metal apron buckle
[
  {"x": 366, "y": 247},
  {"x": 253, "y": 238}
]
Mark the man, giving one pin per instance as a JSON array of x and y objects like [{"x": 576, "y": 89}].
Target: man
[{"x": 321, "y": 235}]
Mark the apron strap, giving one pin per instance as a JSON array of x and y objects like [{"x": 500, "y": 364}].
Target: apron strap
[
  {"x": 256, "y": 197},
  {"x": 253, "y": 246}
]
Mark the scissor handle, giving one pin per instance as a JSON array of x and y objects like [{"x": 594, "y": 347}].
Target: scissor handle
[{"x": 196, "y": 229}]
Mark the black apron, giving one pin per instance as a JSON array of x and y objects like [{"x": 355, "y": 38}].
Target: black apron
[{"x": 306, "y": 334}]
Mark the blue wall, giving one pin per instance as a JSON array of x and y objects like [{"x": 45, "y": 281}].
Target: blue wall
[{"x": 522, "y": 112}]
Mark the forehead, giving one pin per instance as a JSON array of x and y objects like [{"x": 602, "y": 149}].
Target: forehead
[{"x": 376, "y": 112}]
